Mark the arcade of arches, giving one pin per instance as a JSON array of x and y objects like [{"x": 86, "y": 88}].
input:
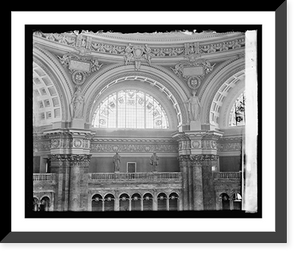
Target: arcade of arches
[{"x": 138, "y": 122}]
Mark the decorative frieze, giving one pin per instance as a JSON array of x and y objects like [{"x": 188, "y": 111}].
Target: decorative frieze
[
  {"x": 86, "y": 44},
  {"x": 136, "y": 53},
  {"x": 101, "y": 146}
]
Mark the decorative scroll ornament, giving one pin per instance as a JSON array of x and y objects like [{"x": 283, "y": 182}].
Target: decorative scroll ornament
[
  {"x": 136, "y": 53},
  {"x": 79, "y": 67},
  {"x": 193, "y": 70}
]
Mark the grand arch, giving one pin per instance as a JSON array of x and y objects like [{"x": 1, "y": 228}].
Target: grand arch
[
  {"x": 58, "y": 75},
  {"x": 154, "y": 80},
  {"x": 217, "y": 79}
]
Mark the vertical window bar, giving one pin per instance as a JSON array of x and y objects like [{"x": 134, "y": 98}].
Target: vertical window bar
[{"x": 117, "y": 109}]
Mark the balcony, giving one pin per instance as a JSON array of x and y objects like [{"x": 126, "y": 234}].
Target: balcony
[
  {"x": 227, "y": 175},
  {"x": 136, "y": 177},
  {"x": 44, "y": 177}
]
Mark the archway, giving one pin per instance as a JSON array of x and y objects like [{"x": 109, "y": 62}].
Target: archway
[
  {"x": 147, "y": 202},
  {"x": 162, "y": 202},
  {"x": 225, "y": 201},
  {"x": 109, "y": 203},
  {"x": 97, "y": 203},
  {"x": 160, "y": 83},
  {"x": 124, "y": 202},
  {"x": 173, "y": 202}
]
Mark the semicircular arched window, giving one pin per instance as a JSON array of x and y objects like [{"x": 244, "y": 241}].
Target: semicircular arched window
[
  {"x": 237, "y": 113},
  {"x": 132, "y": 109}
]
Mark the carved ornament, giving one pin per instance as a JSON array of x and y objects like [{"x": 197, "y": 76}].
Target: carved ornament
[
  {"x": 136, "y": 53},
  {"x": 79, "y": 67},
  {"x": 193, "y": 70}
]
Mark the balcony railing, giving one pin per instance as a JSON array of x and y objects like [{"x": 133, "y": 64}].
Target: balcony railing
[
  {"x": 43, "y": 176},
  {"x": 227, "y": 175},
  {"x": 174, "y": 176}
]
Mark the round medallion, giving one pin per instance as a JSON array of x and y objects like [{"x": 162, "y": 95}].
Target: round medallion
[
  {"x": 78, "y": 77},
  {"x": 77, "y": 143},
  {"x": 194, "y": 82},
  {"x": 54, "y": 143}
]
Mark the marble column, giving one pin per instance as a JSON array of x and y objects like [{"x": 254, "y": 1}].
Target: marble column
[
  {"x": 78, "y": 182},
  {"x": 183, "y": 161},
  {"x": 197, "y": 183}
]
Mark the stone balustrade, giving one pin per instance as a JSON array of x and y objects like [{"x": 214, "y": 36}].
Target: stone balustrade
[
  {"x": 148, "y": 176},
  {"x": 227, "y": 175},
  {"x": 43, "y": 176}
]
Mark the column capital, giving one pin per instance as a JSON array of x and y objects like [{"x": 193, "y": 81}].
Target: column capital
[
  {"x": 184, "y": 160},
  {"x": 201, "y": 160}
]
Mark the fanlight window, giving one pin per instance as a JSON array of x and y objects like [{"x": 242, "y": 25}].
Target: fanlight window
[
  {"x": 237, "y": 113},
  {"x": 130, "y": 109}
]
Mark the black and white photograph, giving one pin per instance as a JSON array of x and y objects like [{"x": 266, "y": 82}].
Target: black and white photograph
[
  {"x": 148, "y": 127},
  {"x": 157, "y": 119}
]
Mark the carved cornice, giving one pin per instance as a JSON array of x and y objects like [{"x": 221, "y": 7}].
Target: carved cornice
[
  {"x": 88, "y": 43},
  {"x": 133, "y": 145}
]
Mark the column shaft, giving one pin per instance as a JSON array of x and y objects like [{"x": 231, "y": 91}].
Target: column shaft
[{"x": 197, "y": 187}]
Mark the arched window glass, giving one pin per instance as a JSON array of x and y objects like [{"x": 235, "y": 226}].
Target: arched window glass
[
  {"x": 237, "y": 113},
  {"x": 130, "y": 109}
]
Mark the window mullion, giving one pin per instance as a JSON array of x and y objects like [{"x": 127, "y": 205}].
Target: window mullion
[
  {"x": 117, "y": 109},
  {"x": 145, "y": 111}
]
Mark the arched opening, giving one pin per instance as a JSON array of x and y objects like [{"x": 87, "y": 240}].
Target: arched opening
[
  {"x": 97, "y": 203},
  {"x": 237, "y": 201},
  {"x": 147, "y": 202},
  {"x": 237, "y": 112},
  {"x": 45, "y": 204},
  {"x": 173, "y": 202},
  {"x": 130, "y": 108},
  {"x": 109, "y": 203},
  {"x": 124, "y": 202},
  {"x": 225, "y": 201},
  {"x": 162, "y": 202},
  {"x": 35, "y": 206},
  {"x": 136, "y": 202},
  {"x": 46, "y": 101}
]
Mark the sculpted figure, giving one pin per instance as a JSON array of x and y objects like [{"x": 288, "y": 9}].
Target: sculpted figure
[
  {"x": 117, "y": 162},
  {"x": 128, "y": 54},
  {"x": 154, "y": 161},
  {"x": 194, "y": 107},
  {"x": 77, "y": 104}
]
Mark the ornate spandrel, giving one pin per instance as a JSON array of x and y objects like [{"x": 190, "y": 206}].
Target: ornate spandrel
[
  {"x": 137, "y": 53},
  {"x": 193, "y": 70},
  {"x": 80, "y": 67}
]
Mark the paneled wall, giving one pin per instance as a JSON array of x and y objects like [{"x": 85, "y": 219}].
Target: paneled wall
[{"x": 105, "y": 164}]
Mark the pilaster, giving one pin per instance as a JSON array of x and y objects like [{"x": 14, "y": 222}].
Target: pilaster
[
  {"x": 198, "y": 158},
  {"x": 70, "y": 158}
]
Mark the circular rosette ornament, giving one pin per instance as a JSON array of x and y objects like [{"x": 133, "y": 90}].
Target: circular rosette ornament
[
  {"x": 194, "y": 82},
  {"x": 78, "y": 77}
]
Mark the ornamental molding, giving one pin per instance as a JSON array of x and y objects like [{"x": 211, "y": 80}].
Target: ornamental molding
[
  {"x": 87, "y": 43},
  {"x": 134, "y": 147},
  {"x": 137, "y": 53},
  {"x": 193, "y": 70},
  {"x": 80, "y": 67},
  {"x": 71, "y": 159}
]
